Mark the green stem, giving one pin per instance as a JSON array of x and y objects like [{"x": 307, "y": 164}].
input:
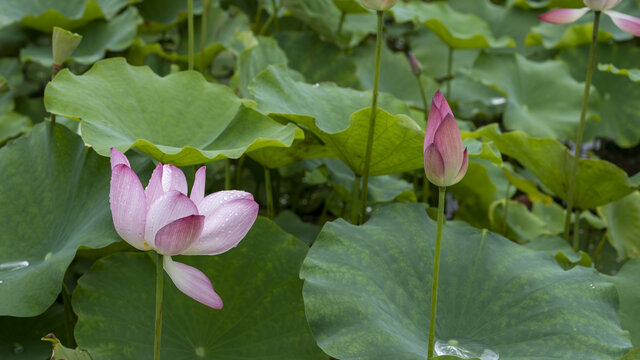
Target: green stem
[
  {"x": 598, "y": 250},
  {"x": 343, "y": 15},
  {"x": 576, "y": 231},
  {"x": 276, "y": 8},
  {"x": 203, "y": 34},
  {"x": 258, "y": 16},
  {"x": 239, "y": 169},
  {"x": 266, "y": 25},
  {"x": 506, "y": 208},
  {"x": 449, "y": 72},
  {"x": 325, "y": 208},
  {"x": 354, "y": 205},
  {"x": 269, "y": 192},
  {"x": 227, "y": 174},
  {"x": 69, "y": 316},
  {"x": 159, "y": 285},
  {"x": 436, "y": 270},
  {"x": 190, "y": 31},
  {"x": 372, "y": 119},
  {"x": 583, "y": 113}
]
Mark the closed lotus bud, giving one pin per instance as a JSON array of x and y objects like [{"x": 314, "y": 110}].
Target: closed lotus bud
[
  {"x": 445, "y": 161},
  {"x": 416, "y": 67},
  {"x": 601, "y": 5},
  {"x": 64, "y": 43},
  {"x": 379, "y": 5}
]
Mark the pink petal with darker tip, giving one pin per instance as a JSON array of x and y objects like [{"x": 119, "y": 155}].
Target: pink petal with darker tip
[
  {"x": 437, "y": 112},
  {"x": 178, "y": 235},
  {"x": 449, "y": 144},
  {"x": 627, "y": 23},
  {"x": 463, "y": 168},
  {"x": 192, "y": 282},
  {"x": 563, "y": 16},
  {"x": 128, "y": 205},
  {"x": 154, "y": 188},
  {"x": 434, "y": 166},
  {"x": 197, "y": 190},
  {"x": 173, "y": 179},
  {"x": 118, "y": 158},
  {"x": 169, "y": 207}
]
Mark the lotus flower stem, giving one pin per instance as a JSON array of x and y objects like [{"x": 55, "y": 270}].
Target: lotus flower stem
[
  {"x": 576, "y": 231},
  {"x": 343, "y": 15},
  {"x": 583, "y": 113},
  {"x": 372, "y": 119},
  {"x": 69, "y": 317},
  {"x": 203, "y": 34},
  {"x": 227, "y": 174},
  {"x": 275, "y": 15},
  {"x": 258, "y": 16},
  {"x": 354, "y": 206},
  {"x": 436, "y": 270},
  {"x": 269, "y": 192},
  {"x": 159, "y": 289},
  {"x": 239, "y": 168},
  {"x": 449, "y": 71},
  {"x": 190, "y": 31}
]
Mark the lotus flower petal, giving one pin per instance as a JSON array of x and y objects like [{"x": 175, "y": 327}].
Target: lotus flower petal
[
  {"x": 601, "y": 5},
  {"x": 169, "y": 207},
  {"x": 229, "y": 216},
  {"x": 563, "y": 16},
  {"x": 449, "y": 144},
  {"x": 154, "y": 188},
  {"x": 438, "y": 111},
  {"x": 178, "y": 235},
  {"x": 192, "y": 282},
  {"x": 118, "y": 158},
  {"x": 379, "y": 5},
  {"x": 197, "y": 190},
  {"x": 173, "y": 179},
  {"x": 128, "y": 205},
  {"x": 627, "y": 23},
  {"x": 434, "y": 166},
  {"x": 463, "y": 168}
]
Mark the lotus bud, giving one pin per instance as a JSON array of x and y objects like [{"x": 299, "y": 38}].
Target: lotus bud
[
  {"x": 379, "y": 5},
  {"x": 601, "y": 5},
  {"x": 64, "y": 43},
  {"x": 445, "y": 160},
  {"x": 416, "y": 67}
]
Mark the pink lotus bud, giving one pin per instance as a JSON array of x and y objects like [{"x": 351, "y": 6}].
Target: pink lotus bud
[
  {"x": 445, "y": 161},
  {"x": 601, "y": 5},
  {"x": 416, "y": 67},
  {"x": 379, "y": 5}
]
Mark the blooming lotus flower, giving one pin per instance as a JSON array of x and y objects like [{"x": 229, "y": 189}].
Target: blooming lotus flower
[
  {"x": 445, "y": 161},
  {"x": 379, "y": 5},
  {"x": 627, "y": 23},
  {"x": 161, "y": 217}
]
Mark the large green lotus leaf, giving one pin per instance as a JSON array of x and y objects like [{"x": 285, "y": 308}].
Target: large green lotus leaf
[
  {"x": 626, "y": 281},
  {"x": 527, "y": 186},
  {"x": 396, "y": 77},
  {"x": 331, "y": 106},
  {"x": 317, "y": 60},
  {"x": 367, "y": 292},
  {"x": 534, "y": 107},
  {"x": 13, "y": 124},
  {"x": 98, "y": 37},
  {"x": 619, "y": 112},
  {"x": 307, "y": 148},
  {"x": 291, "y": 223},
  {"x": 12, "y": 39},
  {"x": 632, "y": 74},
  {"x": 69, "y": 14},
  {"x": 263, "y": 316},
  {"x": 623, "y": 224},
  {"x": 581, "y": 31},
  {"x": 323, "y": 17},
  {"x": 598, "y": 182},
  {"x": 54, "y": 198},
  {"x": 504, "y": 20},
  {"x": 11, "y": 71},
  {"x": 20, "y": 337},
  {"x": 180, "y": 119},
  {"x": 457, "y": 30},
  {"x": 521, "y": 224},
  {"x": 60, "y": 352}
]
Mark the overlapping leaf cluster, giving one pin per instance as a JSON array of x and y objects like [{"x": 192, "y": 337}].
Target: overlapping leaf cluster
[{"x": 282, "y": 91}]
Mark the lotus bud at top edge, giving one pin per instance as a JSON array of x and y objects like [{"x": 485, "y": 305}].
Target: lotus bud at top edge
[
  {"x": 416, "y": 67},
  {"x": 64, "y": 43},
  {"x": 445, "y": 160},
  {"x": 379, "y": 5}
]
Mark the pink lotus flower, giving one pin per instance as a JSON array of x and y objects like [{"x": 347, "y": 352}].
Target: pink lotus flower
[
  {"x": 161, "y": 217},
  {"x": 445, "y": 161},
  {"x": 627, "y": 23}
]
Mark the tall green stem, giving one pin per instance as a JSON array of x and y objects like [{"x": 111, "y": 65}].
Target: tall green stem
[
  {"x": 227, "y": 174},
  {"x": 190, "y": 31},
  {"x": 69, "y": 316},
  {"x": 576, "y": 231},
  {"x": 203, "y": 33},
  {"x": 269, "y": 192},
  {"x": 449, "y": 72},
  {"x": 436, "y": 270},
  {"x": 343, "y": 15},
  {"x": 239, "y": 169},
  {"x": 256, "y": 24},
  {"x": 159, "y": 286},
  {"x": 372, "y": 119},
  {"x": 275, "y": 15},
  {"x": 583, "y": 113},
  {"x": 354, "y": 204}
]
